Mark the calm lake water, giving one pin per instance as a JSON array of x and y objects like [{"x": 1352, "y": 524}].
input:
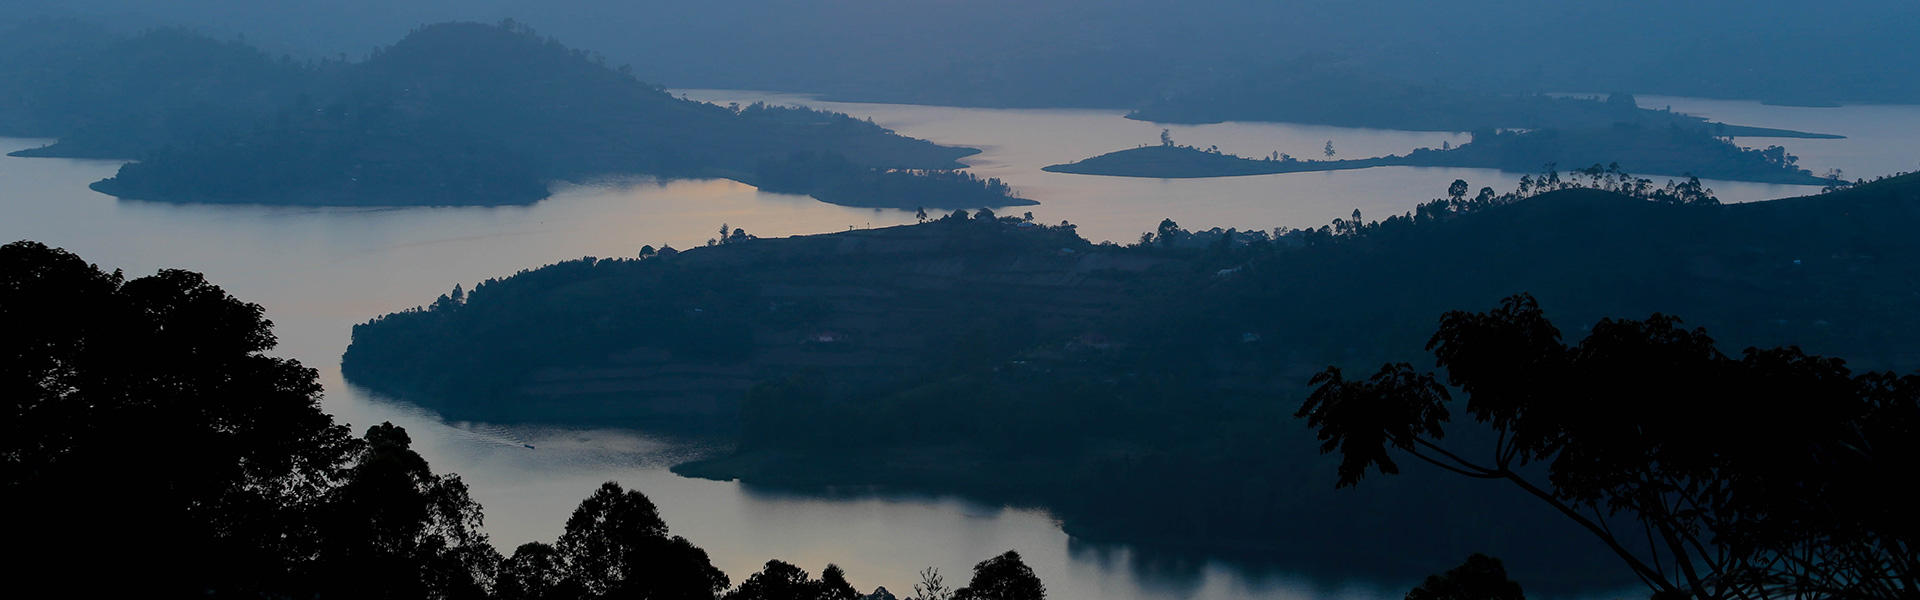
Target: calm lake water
[{"x": 320, "y": 270}]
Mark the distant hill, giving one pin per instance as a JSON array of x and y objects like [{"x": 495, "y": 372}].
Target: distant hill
[
  {"x": 456, "y": 113},
  {"x": 111, "y": 96},
  {"x": 1141, "y": 393},
  {"x": 1674, "y": 151},
  {"x": 1322, "y": 91}
]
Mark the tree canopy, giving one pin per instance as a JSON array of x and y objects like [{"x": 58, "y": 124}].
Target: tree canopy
[
  {"x": 162, "y": 381},
  {"x": 1765, "y": 475}
]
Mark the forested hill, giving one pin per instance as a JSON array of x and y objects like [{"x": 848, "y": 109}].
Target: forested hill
[
  {"x": 456, "y": 113},
  {"x": 111, "y": 96},
  {"x": 1318, "y": 90},
  {"x": 1141, "y": 392}
]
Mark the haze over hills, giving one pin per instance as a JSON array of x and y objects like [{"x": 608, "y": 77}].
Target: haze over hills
[
  {"x": 1123, "y": 53},
  {"x": 456, "y": 113}
]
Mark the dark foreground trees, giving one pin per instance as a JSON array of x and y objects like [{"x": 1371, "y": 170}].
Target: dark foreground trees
[
  {"x": 146, "y": 411},
  {"x": 151, "y": 449},
  {"x": 1771, "y": 475}
]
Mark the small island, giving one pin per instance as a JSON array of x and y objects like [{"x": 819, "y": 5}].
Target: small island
[
  {"x": 833, "y": 179},
  {"x": 1672, "y": 151},
  {"x": 1188, "y": 162}
]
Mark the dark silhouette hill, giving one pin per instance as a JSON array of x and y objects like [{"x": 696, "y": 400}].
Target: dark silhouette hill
[
  {"x": 117, "y": 96},
  {"x": 456, "y": 113},
  {"x": 1141, "y": 392},
  {"x": 1322, "y": 90}
]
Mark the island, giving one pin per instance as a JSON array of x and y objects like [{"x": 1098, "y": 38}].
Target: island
[
  {"x": 453, "y": 114},
  {"x": 1140, "y": 393},
  {"x": 1673, "y": 150},
  {"x": 1323, "y": 90}
]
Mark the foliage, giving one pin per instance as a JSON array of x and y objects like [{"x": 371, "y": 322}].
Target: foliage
[
  {"x": 1480, "y": 578},
  {"x": 135, "y": 378},
  {"x": 616, "y": 545},
  {"x": 400, "y": 530},
  {"x": 1003, "y": 577},
  {"x": 782, "y": 581},
  {"x": 1762, "y": 476}
]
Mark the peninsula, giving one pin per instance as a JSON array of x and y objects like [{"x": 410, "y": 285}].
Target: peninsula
[{"x": 1674, "y": 151}]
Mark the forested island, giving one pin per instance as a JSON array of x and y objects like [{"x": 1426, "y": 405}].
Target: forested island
[
  {"x": 456, "y": 113},
  {"x": 1673, "y": 151},
  {"x": 1133, "y": 389},
  {"x": 1318, "y": 90}
]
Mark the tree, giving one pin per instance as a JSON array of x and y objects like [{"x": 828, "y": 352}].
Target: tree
[
  {"x": 164, "y": 383},
  {"x": 1458, "y": 190},
  {"x": 1329, "y": 149},
  {"x": 1003, "y": 577},
  {"x": 400, "y": 530},
  {"x": 536, "y": 571},
  {"x": 1168, "y": 233},
  {"x": 1762, "y": 476},
  {"x": 920, "y": 214},
  {"x": 1166, "y": 138},
  {"x": 617, "y": 546},
  {"x": 1480, "y": 578},
  {"x": 779, "y": 580},
  {"x": 932, "y": 586}
]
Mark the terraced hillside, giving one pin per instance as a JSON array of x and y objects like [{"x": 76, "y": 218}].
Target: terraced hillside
[{"x": 697, "y": 329}]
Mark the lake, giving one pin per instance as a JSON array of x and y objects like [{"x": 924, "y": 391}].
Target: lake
[{"x": 320, "y": 270}]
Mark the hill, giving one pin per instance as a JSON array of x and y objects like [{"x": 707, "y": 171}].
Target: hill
[
  {"x": 456, "y": 113},
  {"x": 1141, "y": 393},
  {"x": 1320, "y": 90},
  {"x": 107, "y": 95}
]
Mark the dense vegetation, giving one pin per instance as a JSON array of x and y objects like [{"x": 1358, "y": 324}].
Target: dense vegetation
[
  {"x": 1318, "y": 90},
  {"x": 113, "y": 96},
  {"x": 221, "y": 456},
  {"x": 1758, "y": 477},
  {"x": 1141, "y": 391},
  {"x": 457, "y": 113},
  {"x": 1672, "y": 150}
]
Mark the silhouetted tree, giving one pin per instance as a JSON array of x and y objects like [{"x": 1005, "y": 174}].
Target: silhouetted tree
[
  {"x": 1763, "y": 476},
  {"x": 536, "y": 571},
  {"x": 782, "y": 581},
  {"x": 1480, "y": 578},
  {"x": 1458, "y": 190},
  {"x": 147, "y": 410},
  {"x": 1329, "y": 149},
  {"x": 932, "y": 586},
  {"x": 1003, "y": 577},
  {"x": 617, "y": 546},
  {"x": 399, "y": 531},
  {"x": 1168, "y": 233}
]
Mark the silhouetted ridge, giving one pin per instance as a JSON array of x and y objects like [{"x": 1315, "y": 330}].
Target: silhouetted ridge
[
  {"x": 465, "y": 113},
  {"x": 1132, "y": 389}
]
